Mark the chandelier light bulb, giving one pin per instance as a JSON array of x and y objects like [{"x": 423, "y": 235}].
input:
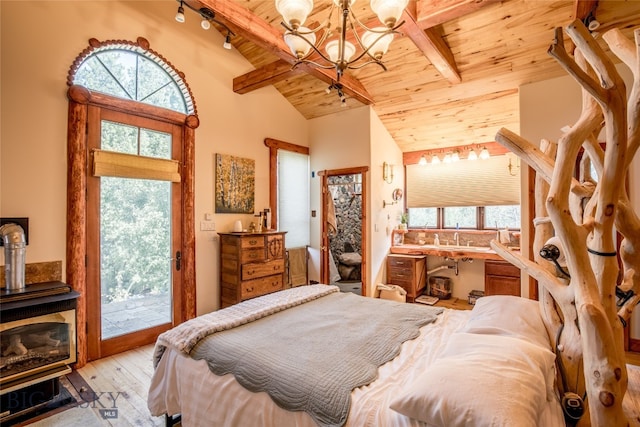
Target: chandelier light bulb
[
  {"x": 333, "y": 50},
  {"x": 377, "y": 42},
  {"x": 389, "y": 11},
  {"x": 297, "y": 44},
  {"x": 294, "y": 12}
]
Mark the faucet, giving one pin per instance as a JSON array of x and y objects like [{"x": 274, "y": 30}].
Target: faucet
[{"x": 456, "y": 238}]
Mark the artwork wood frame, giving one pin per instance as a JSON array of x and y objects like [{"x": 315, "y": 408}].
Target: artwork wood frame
[{"x": 234, "y": 184}]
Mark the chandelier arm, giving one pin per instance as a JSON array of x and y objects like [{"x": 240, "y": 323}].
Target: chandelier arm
[
  {"x": 373, "y": 61},
  {"x": 366, "y": 51},
  {"x": 306, "y": 61},
  {"x": 315, "y": 49}
]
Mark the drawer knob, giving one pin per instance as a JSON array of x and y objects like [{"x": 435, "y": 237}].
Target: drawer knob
[
  {"x": 249, "y": 289},
  {"x": 253, "y": 242}
]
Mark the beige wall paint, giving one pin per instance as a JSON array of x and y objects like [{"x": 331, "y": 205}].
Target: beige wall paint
[
  {"x": 341, "y": 140},
  {"x": 382, "y": 220},
  {"x": 40, "y": 40}
]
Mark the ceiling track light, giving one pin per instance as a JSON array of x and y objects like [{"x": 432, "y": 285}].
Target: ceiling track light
[{"x": 208, "y": 16}]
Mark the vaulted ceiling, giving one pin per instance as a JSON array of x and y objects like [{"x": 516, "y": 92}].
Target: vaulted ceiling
[{"x": 452, "y": 76}]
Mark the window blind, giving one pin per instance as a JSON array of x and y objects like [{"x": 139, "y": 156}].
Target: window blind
[
  {"x": 464, "y": 183},
  {"x": 110, "y": 163},
  {"x": 293, "y": 197}
]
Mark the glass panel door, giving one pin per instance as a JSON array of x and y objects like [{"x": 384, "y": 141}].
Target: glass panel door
[
  {"x": 135, "y": 254},
  {"x": 134, "y": 238}
]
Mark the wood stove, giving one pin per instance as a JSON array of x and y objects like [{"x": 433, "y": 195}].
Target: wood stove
[{"x": 37, "y": 344}]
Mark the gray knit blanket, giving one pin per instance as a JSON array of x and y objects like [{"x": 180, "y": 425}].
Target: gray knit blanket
[{"x": 311, "y": 356}]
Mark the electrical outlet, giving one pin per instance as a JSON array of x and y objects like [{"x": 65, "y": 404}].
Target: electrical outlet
[{"x": 207, "y": 226}]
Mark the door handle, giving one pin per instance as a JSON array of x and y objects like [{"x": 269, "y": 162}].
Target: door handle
[{"x": 178, "y": 260}]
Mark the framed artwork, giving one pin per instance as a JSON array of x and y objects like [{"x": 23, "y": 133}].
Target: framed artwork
[{"x": 235, "y": 184}]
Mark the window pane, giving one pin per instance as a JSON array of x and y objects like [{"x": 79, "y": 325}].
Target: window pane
[
  {"x": 293, "y": 198},
  {"x": 502, "y": 216},
  {"x": 119, "y": 138},
  {"x": 463, "y": 217},
  {"x": 423, "y": 217},
  {"x": 155, "y": 144}
]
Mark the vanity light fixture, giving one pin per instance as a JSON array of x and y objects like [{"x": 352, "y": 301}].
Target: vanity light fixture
[
  {"x": 208, "y": 16},
  {"x": 472, "y": 155},
  {"x": 435, "y": 160},
  {"x": 484, "y": 153},
  {"x": 447, "y": 158},
  {"x": 455, "y": 156},
  {"x": 423, "y": 160}
]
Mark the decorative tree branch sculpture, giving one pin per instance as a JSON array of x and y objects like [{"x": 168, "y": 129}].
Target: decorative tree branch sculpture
[{"x": 587, "y": 303}]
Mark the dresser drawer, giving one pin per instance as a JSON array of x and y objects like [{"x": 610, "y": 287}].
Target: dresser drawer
[
  {"x": 260, "y": 269},
  {"x": 262, "y": 286},
  {"x": 252, "y": 255},
  {"x": 252, "y": 242}
]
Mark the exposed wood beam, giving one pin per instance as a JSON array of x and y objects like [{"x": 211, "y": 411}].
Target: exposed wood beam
[
  {"x": 264, "y": 76},
  {"x": 430, "y": 13},
  {"x": 584, "y": 7},
  {"x": 431, "y": 45},
  {"x": 257, "y": 30}
]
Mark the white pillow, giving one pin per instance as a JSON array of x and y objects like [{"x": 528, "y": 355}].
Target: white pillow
[
  {"x": 508, "y": 315},
  {"x": 482, "y": 380}
]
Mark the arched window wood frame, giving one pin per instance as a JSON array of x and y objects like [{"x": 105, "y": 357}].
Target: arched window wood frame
[{"x": 80, "y": 98}]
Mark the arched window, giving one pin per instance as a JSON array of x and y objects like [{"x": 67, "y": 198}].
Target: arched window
[{"x": 130, "y": 221}]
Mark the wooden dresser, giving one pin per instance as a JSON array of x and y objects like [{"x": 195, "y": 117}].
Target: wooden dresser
[
  {"x": 251, "y": 264},
  {"x": 501, "y": 278},
  {"x": 408, "y": 271}
]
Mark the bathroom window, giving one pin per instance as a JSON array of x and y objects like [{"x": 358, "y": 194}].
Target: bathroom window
[{"x": 478, "y": 195}]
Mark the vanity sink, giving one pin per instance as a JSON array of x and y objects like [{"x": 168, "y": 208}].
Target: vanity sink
[{"x": 457, "y": 248}]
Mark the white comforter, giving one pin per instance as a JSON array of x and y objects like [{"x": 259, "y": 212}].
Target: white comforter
[{"x": 184, "y": 386}]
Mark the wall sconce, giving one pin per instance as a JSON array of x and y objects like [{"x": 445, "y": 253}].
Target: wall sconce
[
  {"x": 387, "y": 172},
  {"x": 396, "y": 196},
  {"x": 513, "y": 168}
]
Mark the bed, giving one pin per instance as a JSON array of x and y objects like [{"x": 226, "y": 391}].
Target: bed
[{"x": 489, "y": 366}]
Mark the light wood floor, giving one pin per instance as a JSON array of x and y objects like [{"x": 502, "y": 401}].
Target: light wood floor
[{"x": 122, "y": 381}]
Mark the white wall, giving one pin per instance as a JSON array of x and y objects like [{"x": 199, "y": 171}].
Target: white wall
[
  {"x": 382, "y": 220},
  {"x": 337, "y": 141},
  {"x": 41, "y": 39}
]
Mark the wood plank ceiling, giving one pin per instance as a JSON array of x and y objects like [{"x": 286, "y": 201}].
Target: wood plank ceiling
[{"x": 452, "y": 77}]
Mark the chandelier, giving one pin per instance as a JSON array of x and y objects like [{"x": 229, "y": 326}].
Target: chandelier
[{"x": 339, "y": 53}]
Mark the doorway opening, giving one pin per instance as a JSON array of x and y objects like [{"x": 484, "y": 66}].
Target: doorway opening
[{"x": 344, "y": 202}]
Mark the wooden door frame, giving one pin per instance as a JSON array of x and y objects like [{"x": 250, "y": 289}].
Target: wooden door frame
[
  {"x": 324, "y": 234},
  {"x": 77, "y": 208}
]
